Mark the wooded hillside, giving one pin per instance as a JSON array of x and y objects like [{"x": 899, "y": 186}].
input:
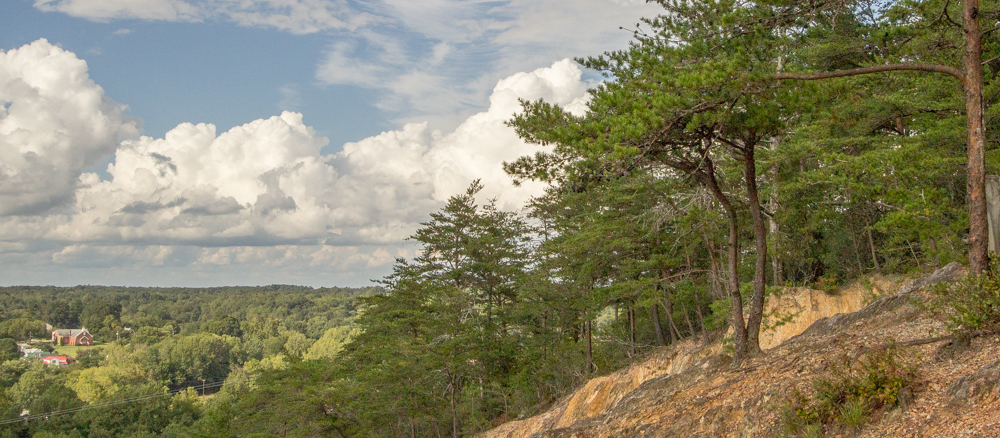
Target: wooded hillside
[{"x": 734, "y": 147}]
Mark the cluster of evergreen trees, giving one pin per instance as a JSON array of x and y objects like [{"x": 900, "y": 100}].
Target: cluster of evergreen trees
[{"x": 733, "y": 147}]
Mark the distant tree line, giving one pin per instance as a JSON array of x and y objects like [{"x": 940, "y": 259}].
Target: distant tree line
[{"x": 178, "y": 338}]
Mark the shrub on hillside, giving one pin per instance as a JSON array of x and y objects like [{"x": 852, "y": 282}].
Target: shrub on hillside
[
  {"x": 971, "y": 304},
  {"x": 854, "y": 389}
]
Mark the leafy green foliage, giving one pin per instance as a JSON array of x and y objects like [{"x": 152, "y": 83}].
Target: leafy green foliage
[
  {"x": 224, "y": 325},
  {"x": 291, "y": 399},
  {"x": 332, "y": 342},
  {"x": 853, "y": 390},
  {"x": 149, "y": 418},
  {"x": 11, "y": 371},
  {"x": 971, "y": 304},
  {"x": 172, "y": 311},
  {"x": 9, "y": 350},
  {"x": 19, "y": 329},
  {"x": 174, "y": 342},
  {"x": 188, "y": 359}
]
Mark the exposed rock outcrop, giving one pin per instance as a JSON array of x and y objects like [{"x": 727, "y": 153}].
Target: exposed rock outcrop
[
  {"x": 689, "y": 390},
  {"x": 796, "y": 309}
]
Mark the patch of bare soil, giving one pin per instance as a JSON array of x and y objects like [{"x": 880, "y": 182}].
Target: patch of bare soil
[{"x": 690, "y": 390}]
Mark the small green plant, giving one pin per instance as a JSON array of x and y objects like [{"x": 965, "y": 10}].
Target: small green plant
[
  {"x": 854, "y": 389},
  {"x": 773, "y": 320},
  {"x": 971, "y": 304},
  {"x": 827, "y": 283},
  {"x": 854, "y": 412},
  {"x": 813, "y": 431}
]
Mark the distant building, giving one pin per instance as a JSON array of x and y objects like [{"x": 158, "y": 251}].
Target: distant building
[
  {"x": 51, "y": 359},
  {"x": 72, "y": 337}
]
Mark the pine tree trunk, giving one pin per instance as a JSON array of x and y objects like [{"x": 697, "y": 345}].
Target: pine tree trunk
[
  {"x": 545, "y": 346},
  {"x": 760, "y": 241},
  {"x": 654, "y": 310},
  {"x": 454, "y": 412},
  {"x": 736, "y": 317},
  {"x": 675, "y": 335},
  {"x": 871, "y": 244},
  {"x": 704, "y": 331},
  {"x": 687, "y": 317},
  {"x": 933, "y": 245},
  {"x": 772, "y": 203},
  {"x": 713, "y": 273},
  {"x": 590, "y": 347},
  {"x": 739, "y": 330},
  {"x": 631, "y": 326},
  {"x": 973, "y": 87}
]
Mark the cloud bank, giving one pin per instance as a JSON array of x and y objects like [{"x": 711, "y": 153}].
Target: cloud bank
[
  {"x": 429, "y": 60},
  {"x": 260, "y": 196}
]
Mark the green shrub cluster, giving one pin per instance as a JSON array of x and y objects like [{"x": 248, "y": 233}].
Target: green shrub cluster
[
  {"x": 853, "y": 390},
  {"x": 971, "y": 304}
]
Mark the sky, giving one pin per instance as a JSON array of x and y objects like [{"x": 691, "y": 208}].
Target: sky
[{"x": 252, "y": 142}]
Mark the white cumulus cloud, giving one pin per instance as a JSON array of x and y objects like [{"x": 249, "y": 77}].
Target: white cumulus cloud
[
  {"x": 266, "y": 183},
  {"x": 194, "y": 186},
  {"x": 261, "y": 195},
  {"x": 54, "y": 122}
]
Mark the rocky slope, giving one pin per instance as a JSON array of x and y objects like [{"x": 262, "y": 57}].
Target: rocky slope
[{"x": 691, "y": 390}]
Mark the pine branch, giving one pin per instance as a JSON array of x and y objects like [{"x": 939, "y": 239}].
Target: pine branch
[{"x": 934, "y": 68}]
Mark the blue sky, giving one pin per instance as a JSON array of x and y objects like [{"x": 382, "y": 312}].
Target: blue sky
[
  {"x": 213, "y": 142},
  {"x": 170, "y": 73}
]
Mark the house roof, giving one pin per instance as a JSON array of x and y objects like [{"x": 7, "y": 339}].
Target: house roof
[
  {"x": 54, "y": 359},
  {"x": 71, "y": 332}
]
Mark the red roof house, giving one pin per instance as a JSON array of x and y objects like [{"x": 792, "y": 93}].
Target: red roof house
[{"x": 54, "y": 360}]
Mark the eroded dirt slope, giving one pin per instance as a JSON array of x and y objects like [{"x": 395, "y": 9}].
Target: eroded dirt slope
[{"x": 691, "y": 390}]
